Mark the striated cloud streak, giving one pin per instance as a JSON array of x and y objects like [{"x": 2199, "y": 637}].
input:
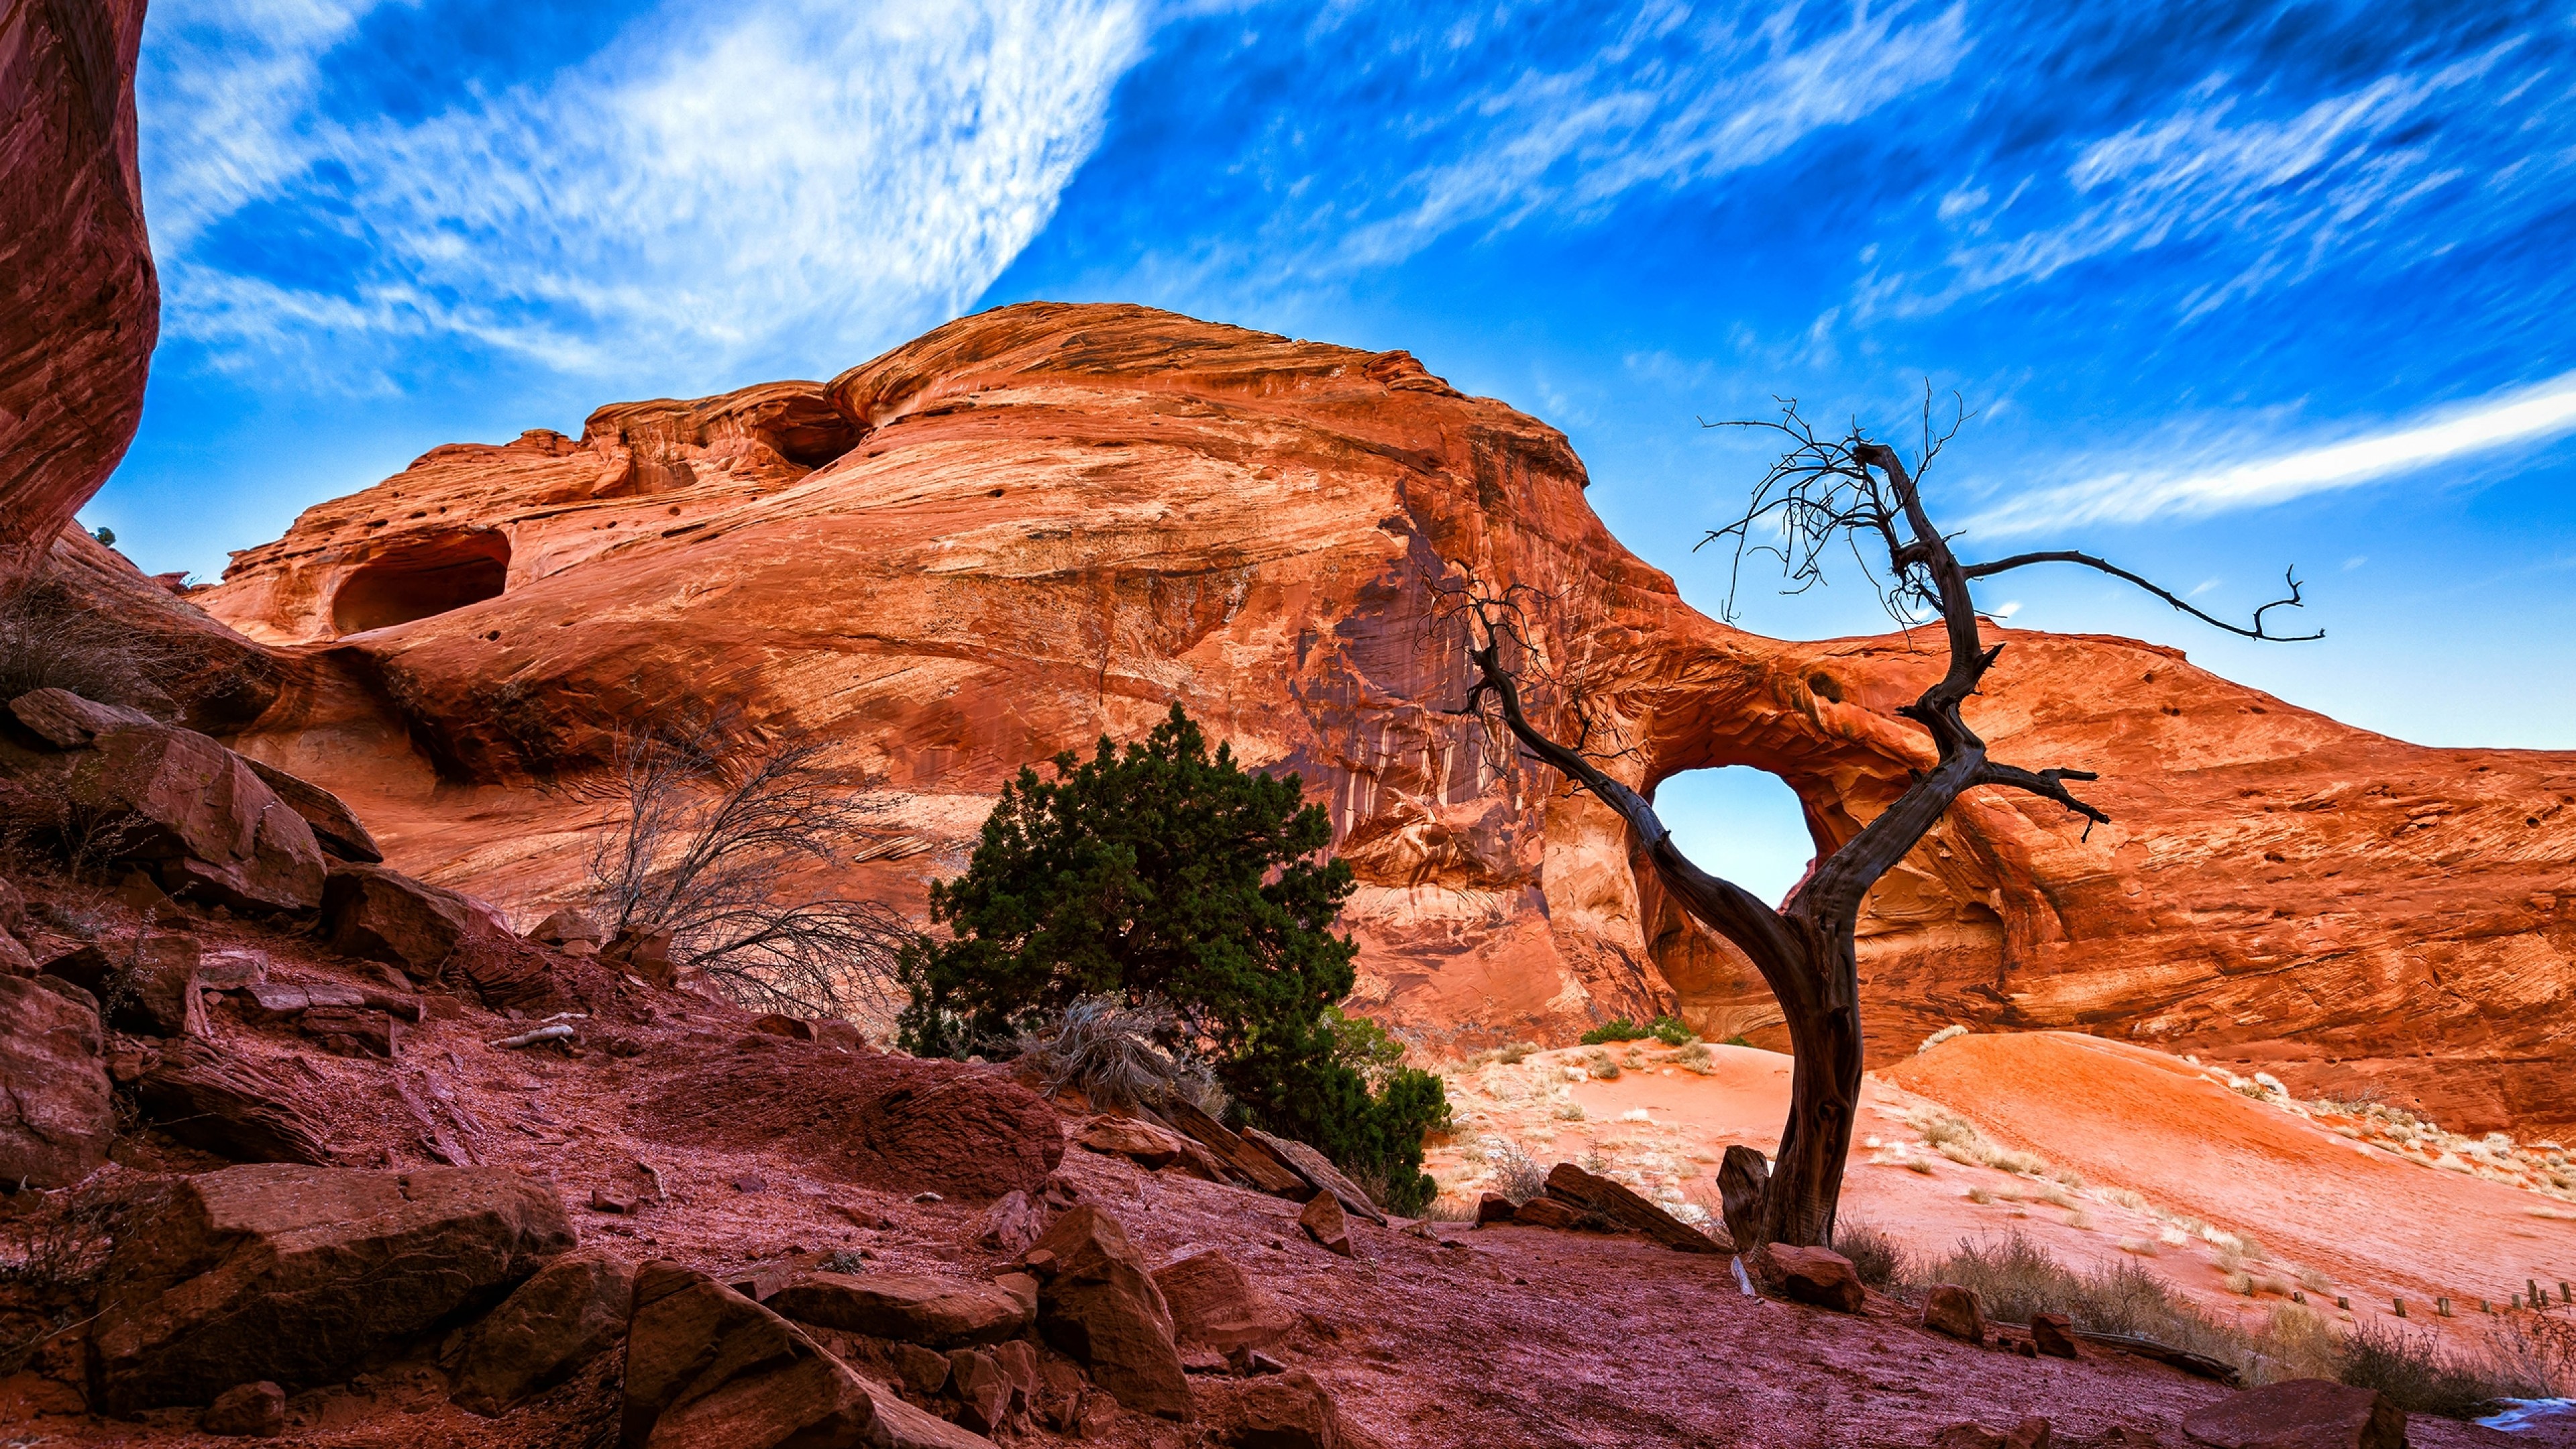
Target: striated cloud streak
[
  {"x": 788, "y": 185},
  {"x": 2526, "y": 415}
]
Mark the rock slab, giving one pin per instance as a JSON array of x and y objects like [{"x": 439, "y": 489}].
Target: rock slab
[
  {"x": 2300, "y": 1414},
  {"x": 1098, "y": 1305},
  {"x": 922, "y": 1308},
  {"x": 56, "y": 1115},
  {"x": 295, "y": 1274},
  {"x": 574, "y": 1309},
  {"x": 1216, "y": 1305}
]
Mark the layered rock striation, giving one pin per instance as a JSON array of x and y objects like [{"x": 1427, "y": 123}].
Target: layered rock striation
[
  {"x": 1045, "y": 523},
  {"x": 80, "y": 304}
]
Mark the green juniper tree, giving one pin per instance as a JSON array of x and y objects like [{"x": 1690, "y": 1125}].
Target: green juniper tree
[{"x": 1164, "y": 873}]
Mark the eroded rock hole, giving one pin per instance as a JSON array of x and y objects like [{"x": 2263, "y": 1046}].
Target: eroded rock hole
[
  {"x": 417, "y": 580},
  {"x": 1741, "y": 823}
]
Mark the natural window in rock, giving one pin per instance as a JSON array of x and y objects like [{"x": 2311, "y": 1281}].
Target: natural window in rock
[
  {"x": 1740, "y": 823},
  {"x": 419, "y": 578}
]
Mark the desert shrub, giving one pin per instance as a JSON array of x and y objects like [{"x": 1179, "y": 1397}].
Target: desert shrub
[
  {"x": 1874, "y": 1255},
  {"x": 715, "y": 830},
  {"x": 1738, "y": 1040},
  {"x": 2014, "y": 1277},
  {"x": 1167, "y": 872},
  {"x": 1671, "y": 1032},
  {"x": 1448, "y": 1210},
  {"x": 1604, "y": 1067},
  {"x": 1517, "y": 1175},
  {"x": 2414, "y": 1371},
  {"x": 1515, "y": 1054},
  {"x": 1114, "y": 1054},
  {"x": 1694, "y": 1057},
  {"x": 1570, "y": 1112},
  {"x": 1617, "y": 1028},
  {"x": 48, "y": 641},
  {"x": 1947, "y": 1033}
]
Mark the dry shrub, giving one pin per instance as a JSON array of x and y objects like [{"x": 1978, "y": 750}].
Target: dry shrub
[
  {"x": 1516, "y": 1053},
  {"x": 51, "y": 1257},
  {"x": 717, "y": 828},
  {"x": 2421, "y": 1377},
  {"x": 1120, "y": 1056},
  {"x": 2014, "y": 1277},
  {"x": 1874, "y": 1255},
  {"x": 1448, "y": 1210},
  {"x": 1517, "y": 1175},
  {"x": 49, "y": 641}
]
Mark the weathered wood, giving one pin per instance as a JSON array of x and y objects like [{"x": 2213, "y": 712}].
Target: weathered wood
[
  {"x": 1615, "y": 1201},
  {"x": 1743, "y": 1177},
  {"x": 1257, "y": 1167},
  {"x": 2163, "y": 1353}
]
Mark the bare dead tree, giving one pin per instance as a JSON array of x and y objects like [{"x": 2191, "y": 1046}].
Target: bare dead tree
[
  {"x": 1823, "y": 493},
  {"x": 716, "y": 832}
]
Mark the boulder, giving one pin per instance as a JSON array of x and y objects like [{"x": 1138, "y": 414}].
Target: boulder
[
  {"x": 153, "y": 983},
  {"x": 352, "y": 1032},
  {"x": 1546, "y": 1212},
  {"x": 706, "y": 1366},
  {"x": 335, "y": 829},
  {"x": 246, "y": 1411},
  {"x": 2053, "y": 1334},
  {"x": 1215, "y": 1305},
  {"x": 297, "y": 1274},
  {"x": 571, "y": 1311},
  {"x": 1141, "y": 1142},
  {"x": 195, "y": 814},
  {"x": 66, "y": 721},
  {"x": 983, "y": 1391},
  {"x": 1955, "y": 1311},
  {"x": 924, "y": 1371},
  {"x": 1617, "y": 1202},
  {"x": 1326, "y": 1223},
  {"x": 229, "y": 1105},
  {"x": 56, "y": 1117},
  {"x": 1011, "y": 1224},
  {"x": 1098, "y": 1305},
  {"x": 1493, "y": 1207},
  {"x": 570, "y": 929},
  {"x": 1318, "y": 1169},
  {"x": 934, "y": 1311},
  {"x": 2300, "y": 1414},
  {"x": 794, "y": 1028},
  {"x": 1819, "y": 1276},
  {"x": 383, "y": 915},
  {"x": 645, "y": 953},
  {"x": 1018, "y": 1359},
  {"x": 1289, "y": 1411}
]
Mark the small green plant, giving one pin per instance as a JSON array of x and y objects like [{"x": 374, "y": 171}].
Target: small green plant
[
  {"x": 1617, "y": 1028},
  {"x": 1671, "y": 1032},
  {"x": 1738, "y": 1040}
]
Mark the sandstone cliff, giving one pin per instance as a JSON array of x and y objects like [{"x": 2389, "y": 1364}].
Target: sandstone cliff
[
  {"x": 1046, "y": 522},
  {"x": 77, "y": 290}
]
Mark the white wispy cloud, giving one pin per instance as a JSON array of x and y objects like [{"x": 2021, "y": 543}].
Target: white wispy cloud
[
  {"x": 2287, "y": 191},
  {"x": 787, "y": 184},
  {"x": 1675, "y": 102},
  {"x": 2252, "y": 479}
]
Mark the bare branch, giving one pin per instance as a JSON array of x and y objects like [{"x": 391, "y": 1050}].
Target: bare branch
[{"x": 2067, "y": 555}]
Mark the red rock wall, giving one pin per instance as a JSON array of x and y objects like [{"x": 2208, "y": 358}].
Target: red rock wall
[
  {"x": 79, "y": 304},
  {"x": 1046, "y": 522}
]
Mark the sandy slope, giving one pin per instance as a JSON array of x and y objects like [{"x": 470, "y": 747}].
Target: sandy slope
[{"x": 2117, "y": 1117}]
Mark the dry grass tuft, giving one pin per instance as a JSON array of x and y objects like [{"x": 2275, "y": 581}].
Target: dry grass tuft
[{"x": 1874, "y": 1255}]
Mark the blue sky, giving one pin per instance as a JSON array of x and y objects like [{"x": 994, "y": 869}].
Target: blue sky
[{"x": 2231, "y": 286}]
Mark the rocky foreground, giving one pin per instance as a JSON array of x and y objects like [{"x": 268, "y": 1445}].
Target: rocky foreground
[{"x": 309, "y": 1148}]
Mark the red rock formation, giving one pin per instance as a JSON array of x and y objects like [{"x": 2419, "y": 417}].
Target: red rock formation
[
  {"x": 1046, "y": 522},
  {"x": 77, "y": 291}
]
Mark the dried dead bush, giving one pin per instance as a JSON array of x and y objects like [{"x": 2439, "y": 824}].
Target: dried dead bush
[
  {"x": 49, "y": 641},
  {"x": 1874, "y": 1255},
  {"x": 717, "y": 829},
  {"x": 2014, "y": 1277},
  {"x": 2421, "y": 1377},
  {"x": 51, "y": 1257},
  {"x": 1120, "y": 1057},
  {"x": 1517, "y": 1175}
]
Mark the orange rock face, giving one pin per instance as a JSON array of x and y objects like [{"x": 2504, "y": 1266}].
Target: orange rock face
[
  {"x": 79, "y": 303},
  {"x": 1047, "y": 522}
]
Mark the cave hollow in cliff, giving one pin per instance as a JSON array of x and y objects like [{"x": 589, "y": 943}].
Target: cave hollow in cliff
[{"x": 425, "y": 576}]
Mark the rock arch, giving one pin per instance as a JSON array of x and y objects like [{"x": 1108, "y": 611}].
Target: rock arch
[{"x": 426, "y": 575}]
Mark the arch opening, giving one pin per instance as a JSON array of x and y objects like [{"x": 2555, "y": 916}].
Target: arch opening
[
  {"x": 1746, "y": 825},
  {"x": 1741, "y": 823},
  {"x": 419, "y": 579}
]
